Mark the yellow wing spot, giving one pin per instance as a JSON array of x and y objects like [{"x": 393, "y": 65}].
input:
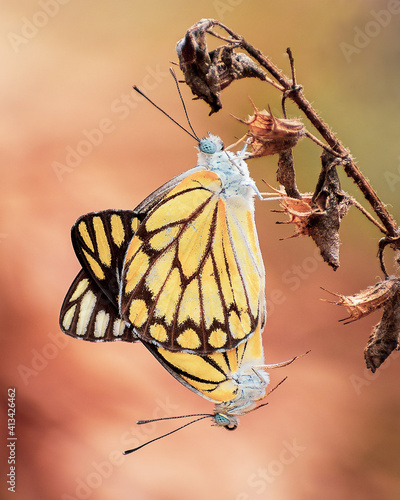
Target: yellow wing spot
[
  {"x": 133, "y": 248},
  {"x": 83, "y": 231},
  {"x": 136, "y": 269},
  {"x": 158, "y": 332},
  {"x": 163, "y": 238},
  {"x": 188, "y": 339},
  {"x": 235, "y": 326},
  {"x": 83, "y": 284},
  {"x": 212, "y": 307},
  {"x": 68, "y": 317},
  {"x": 135, "y": 225},
  {"x": 159, "y": 272},
  {"x": 168, "y": 299},
  {"x": 176, "y": 209},
  {"x": 190, "y": 303},
  {"x": 85, "y": 312},
  {"x": 118, "y": 327},
  {"x": 102, "y": 242},
  {"x": 245, "y": 321},
  {"x": 217, "y": 339},
  {"x": 117, "y": 230},
  {"x": 138, "y": 312},
  {"x": 94, "y": 266},
  {"x": 193, "y": 241},
  {"x": 100, "y": 324}
]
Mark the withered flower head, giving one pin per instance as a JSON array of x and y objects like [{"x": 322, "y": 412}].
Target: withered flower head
[
  {"x": 299, "y": 212},
  {"x": 385, "y": 335},
  {"x": 270, "y": 135},
  {"x": 207, "y": 73},
  {"x": 367, "y": 301}
]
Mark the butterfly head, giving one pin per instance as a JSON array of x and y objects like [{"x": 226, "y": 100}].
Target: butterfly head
[
  {"x": 210, "y": 145},
  {"x": 230, "y": 422}
]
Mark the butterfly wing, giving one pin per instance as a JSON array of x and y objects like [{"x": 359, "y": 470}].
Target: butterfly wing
[
  {"x": 87, "y": 313},
  {"x": 212, "y": 376},
  {"x": 89, "y": 310},
  {"x": 100, "y": 240},
  {"x": 193, "y": 278}
]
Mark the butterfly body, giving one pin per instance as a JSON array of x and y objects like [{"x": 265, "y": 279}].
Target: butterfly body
[{"x": 231, "y": 169}]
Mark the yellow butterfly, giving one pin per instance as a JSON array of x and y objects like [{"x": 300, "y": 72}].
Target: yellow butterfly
[
  {"x": 183, "y": 273},
  {"x": 192, "y": 278}
]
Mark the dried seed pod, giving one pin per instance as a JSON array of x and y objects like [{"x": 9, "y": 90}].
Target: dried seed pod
[
  {"x": 270, "y": 135},
  {"x": 199, "y": 70},
  {"x": 319, "y": 215},
  {"x": 207, "y": 73},
  {"x": 367, "y": 301},
  {"x": 299, "y": 212},
  {"x": 335, "y": 204},
  {"x": 385, "y": 335}
]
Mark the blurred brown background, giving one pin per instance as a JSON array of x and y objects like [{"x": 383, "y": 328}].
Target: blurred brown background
[{"x": 332, "y": 430}]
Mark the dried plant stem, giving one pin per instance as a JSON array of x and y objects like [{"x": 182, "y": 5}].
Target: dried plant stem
[{"x": 294, "y": 92}]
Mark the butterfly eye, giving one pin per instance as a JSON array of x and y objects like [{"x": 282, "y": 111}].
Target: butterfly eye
[
  {"x": 210, "y": 146},
  {"x": 228, "y": 422}
]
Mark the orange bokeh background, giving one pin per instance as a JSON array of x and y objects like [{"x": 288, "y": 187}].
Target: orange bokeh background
[{"x": 332, "y": 430}]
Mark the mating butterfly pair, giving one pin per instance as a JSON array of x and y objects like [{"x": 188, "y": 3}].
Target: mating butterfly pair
[{"x": 183, "y": 273}]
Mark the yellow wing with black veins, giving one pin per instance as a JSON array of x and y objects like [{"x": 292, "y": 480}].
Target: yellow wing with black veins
[
  {"x": 100, "y": 240},
  {"x": 188, "y": 282},
  {"x": 211, "y": 376}
]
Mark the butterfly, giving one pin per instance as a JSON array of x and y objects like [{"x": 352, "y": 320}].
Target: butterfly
[{"x": 183, "y": 273}]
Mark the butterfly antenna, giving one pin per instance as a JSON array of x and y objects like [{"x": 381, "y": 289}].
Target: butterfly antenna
[
  {"x": 171, "y": 70},
  {"x": 202, "y": 417},
  {"x": 139, "y": 422},
  {"x": 276, "y": 387},
  {"x": 136, "y": 88}
]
